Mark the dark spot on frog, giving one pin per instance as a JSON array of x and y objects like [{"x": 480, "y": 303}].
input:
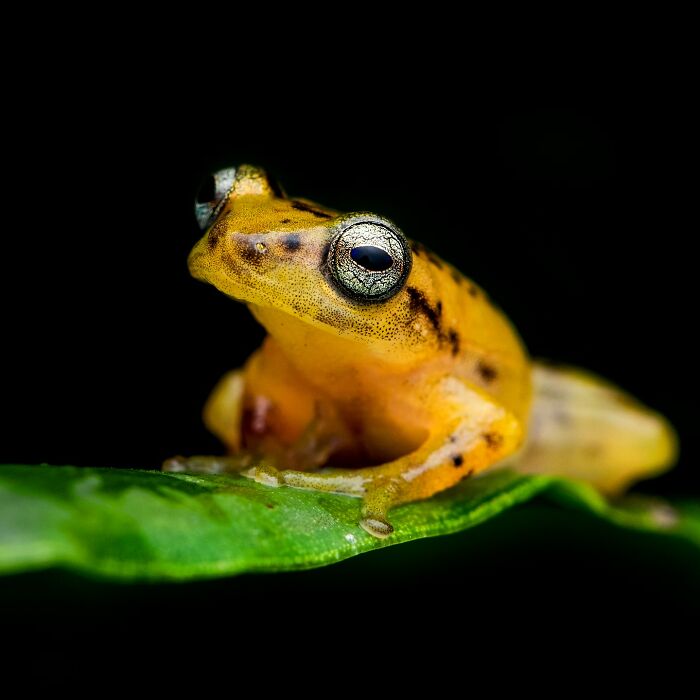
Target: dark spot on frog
[
  {"x": 458, "y": 278},
  {"x": 420, "y": 250},
  {"x": 453, "y": 338},
  {"x": 301, "y": 206},
  {"x": 486, "y": 371},
  {"x": 435, "y": 260},
  {"x": 417, "y": 248},
  {"x": 493, "y": 440},
  {"x": 215, "y": 233},
  {"x": 457, "y": 460},
  {"x": 453, "y": 438},
  {"x": 291, "y": 243},
  {"x": 419, "y": 304},
  {"x": 286, "y": 221},
  {"x": 270, "y": 505}
]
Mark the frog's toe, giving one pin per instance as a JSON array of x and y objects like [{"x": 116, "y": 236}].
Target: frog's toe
[
  {"x": 194, "y": 465},
  {"x": 204, "y": 464},
  {"x": 377, "y": 527},
  {"x": 175, "y": 464},
  {"x": 375, "y": 505},
  {"x": 265, "y": 474}
]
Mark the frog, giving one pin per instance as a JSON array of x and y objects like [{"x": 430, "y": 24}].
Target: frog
[{"x": 386, "y": 374}]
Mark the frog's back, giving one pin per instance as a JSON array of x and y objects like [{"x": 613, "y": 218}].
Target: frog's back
[
  {"x": 578, "y": 424},
  {"x": 482, "y": 345}
]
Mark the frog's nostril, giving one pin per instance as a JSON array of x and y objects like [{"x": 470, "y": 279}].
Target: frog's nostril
[{"x": 253, "y": 252}]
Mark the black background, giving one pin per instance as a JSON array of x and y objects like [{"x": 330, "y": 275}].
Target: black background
[{"x": 572, "y": 213}]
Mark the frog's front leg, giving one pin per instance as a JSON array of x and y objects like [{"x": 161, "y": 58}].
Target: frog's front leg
[{"x": 470, "y": 434}]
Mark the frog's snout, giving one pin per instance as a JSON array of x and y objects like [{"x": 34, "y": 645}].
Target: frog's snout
[
  {"x": 242, "y": 259},
  {"x": 196, "y": 263}
]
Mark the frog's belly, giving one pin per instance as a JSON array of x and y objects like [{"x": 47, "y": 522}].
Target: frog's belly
[{"x": 383, "y": 430}]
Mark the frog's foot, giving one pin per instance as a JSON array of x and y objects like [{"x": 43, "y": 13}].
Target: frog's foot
[
  {"x": 378, "y": 494},
  {"x": 209, "y": 465},
  {"x": 478, "y": 434},
  {"x": 375, "y": 506}
]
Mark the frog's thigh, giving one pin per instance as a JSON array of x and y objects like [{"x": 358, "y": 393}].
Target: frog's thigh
[
  {"x": 471, "y": 433},
  {"x": 282, "y": 404}
]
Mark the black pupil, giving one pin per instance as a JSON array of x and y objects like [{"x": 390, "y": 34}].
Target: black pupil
[
  {"x": 371, "y": 258},
  {"x": 207, "y": 192}
]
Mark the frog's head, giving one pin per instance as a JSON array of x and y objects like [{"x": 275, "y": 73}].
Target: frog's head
[{"x": 352, "y": 276}]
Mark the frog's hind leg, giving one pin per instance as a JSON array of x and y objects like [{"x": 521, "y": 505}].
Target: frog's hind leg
[
  {"x": 208, "y": 464},
  {"x": 223, "y": 412},
  {"x": 266, "y": 415},
  {"x": 585, "y": 428},
  {"x": 473, "y": 434}
]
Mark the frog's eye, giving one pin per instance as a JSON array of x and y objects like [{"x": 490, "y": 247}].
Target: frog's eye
[
  {"x": 369, "y": 260},
  {"x": 212, "y": 196}
]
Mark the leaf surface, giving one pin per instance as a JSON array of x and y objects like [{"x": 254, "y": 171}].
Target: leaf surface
[{"x": 142, "y": 525}]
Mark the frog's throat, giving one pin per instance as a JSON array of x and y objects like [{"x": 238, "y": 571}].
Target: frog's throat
[{"x": 312, "y": 343}]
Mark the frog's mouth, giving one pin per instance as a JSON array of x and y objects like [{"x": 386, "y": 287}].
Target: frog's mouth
[
  {"x": 229, "y": 276},
  {"x": 233, "y": 297}
]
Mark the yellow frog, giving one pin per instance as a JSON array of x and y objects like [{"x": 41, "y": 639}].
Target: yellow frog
[{"x": 387, "y": 374}]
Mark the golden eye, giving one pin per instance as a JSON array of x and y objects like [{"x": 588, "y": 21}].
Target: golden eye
[
  {"x": 212, "y": 196},
  {"x": 369, "y": 258}
]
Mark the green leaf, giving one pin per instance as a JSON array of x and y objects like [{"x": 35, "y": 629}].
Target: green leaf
[{"x": 137, "y": 525}]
